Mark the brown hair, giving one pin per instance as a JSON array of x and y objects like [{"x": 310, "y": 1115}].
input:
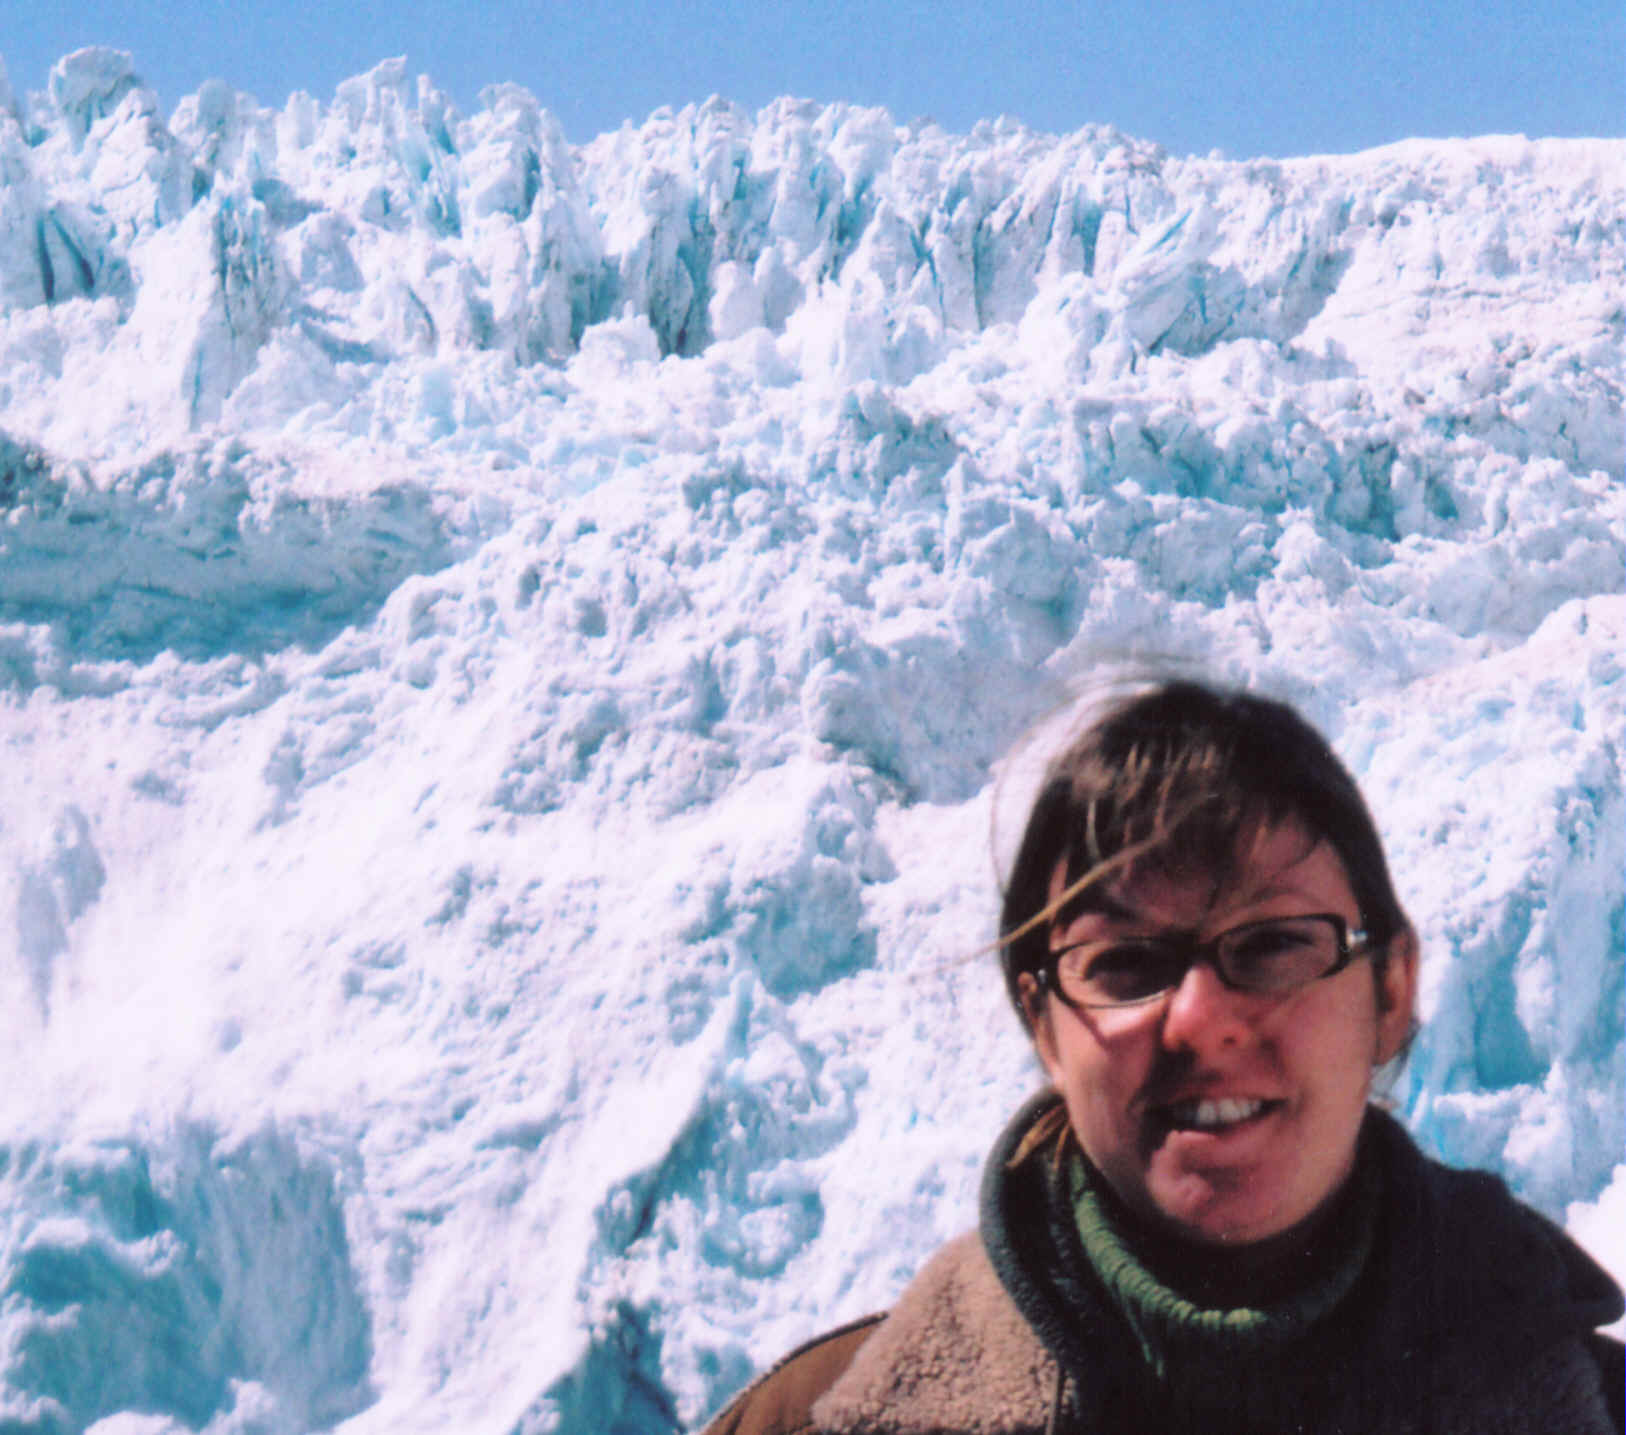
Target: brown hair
[{"x": 1177, "y": 775}]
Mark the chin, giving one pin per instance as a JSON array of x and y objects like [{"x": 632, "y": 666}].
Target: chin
[{"x": 1221, "y": 1218}]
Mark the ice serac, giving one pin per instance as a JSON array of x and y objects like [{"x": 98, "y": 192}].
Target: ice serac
[
  {"x": 514, "y": 667},
  {"x": 204, "y": 552},
  {"x": 158, "y": 1276}
]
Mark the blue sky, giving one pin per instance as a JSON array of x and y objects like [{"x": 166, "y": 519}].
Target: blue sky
[{"x": 1246, "y": 77}]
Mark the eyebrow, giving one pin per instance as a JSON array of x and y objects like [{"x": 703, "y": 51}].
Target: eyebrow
[{"x": 1095, "y": 902}]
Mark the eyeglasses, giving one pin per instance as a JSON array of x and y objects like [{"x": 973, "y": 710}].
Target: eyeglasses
[{"x": 1272, "y": 957}]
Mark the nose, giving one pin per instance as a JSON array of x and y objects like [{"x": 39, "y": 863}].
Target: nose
[{"x": 1203, "y": 1014}]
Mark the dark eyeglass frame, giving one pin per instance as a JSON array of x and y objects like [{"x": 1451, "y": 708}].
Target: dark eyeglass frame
[{"x": 1352, "y": 943}]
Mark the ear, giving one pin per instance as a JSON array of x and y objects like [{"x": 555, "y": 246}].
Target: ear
[
  {"x": 1036, "y": 1012},
  {"x": 1397, "y": 995}
]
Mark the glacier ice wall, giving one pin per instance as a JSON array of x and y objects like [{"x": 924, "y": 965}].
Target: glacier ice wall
[{"x": 514, "y": 667}]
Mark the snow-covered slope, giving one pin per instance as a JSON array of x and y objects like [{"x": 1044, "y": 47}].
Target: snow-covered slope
[{"x": 507, "y": 651}]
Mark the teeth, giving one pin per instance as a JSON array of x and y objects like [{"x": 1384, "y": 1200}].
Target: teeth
[{"x": 1224, "y": 1112}]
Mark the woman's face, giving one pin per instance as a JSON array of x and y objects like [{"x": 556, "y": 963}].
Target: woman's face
[{"x": 1225, "y": 1116}]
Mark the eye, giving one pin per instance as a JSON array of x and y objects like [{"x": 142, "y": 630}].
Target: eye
[
  {"x": 1272, "y": 939},
  {"x": 1283, "y": 951},
  {"x": 1119, "y": 971}
]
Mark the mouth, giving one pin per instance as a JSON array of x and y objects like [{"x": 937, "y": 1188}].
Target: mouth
[{"x": 1216, "y": 1114}]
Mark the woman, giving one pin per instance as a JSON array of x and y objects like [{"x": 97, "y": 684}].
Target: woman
[{"x": 1203, "y": 1225}]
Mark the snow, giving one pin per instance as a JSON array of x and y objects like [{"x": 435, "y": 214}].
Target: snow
[{"x": 520, "y": 662}]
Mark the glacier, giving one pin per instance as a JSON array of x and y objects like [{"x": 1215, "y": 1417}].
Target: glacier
[{"x": 519, "y": 663}]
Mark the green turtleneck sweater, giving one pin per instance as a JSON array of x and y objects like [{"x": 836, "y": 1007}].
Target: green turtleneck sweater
[{"x": 1225, "y": 1315}]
